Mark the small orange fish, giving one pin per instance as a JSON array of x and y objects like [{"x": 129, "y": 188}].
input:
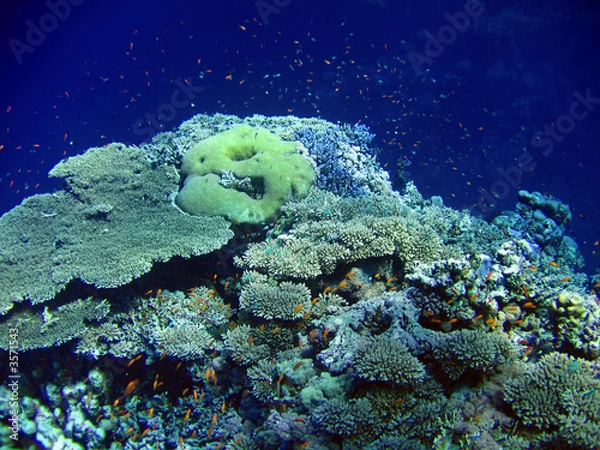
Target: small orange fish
[
  {"x": 529, "y": 305},
  {"x": 554, "y": 264},
  {"x": 297, "y": 365},
  {"x": 187, "y": 414},
  {"x": 303, "y": 446},
  {"x": 131, "y": 386},
  {"x": 298, "y": 308},
  {"x": 214, "y": 419},
  {"x": 145, "y": 432},
  {"x": 131, "y": 361},
  {"x": 565, "y": 279},
  {"x": 477, "y": 317},
  {"x": 325, "y": 334},
  {"x": 489, "y": 275},
  {"x": 148, "y": 292},
  {"x": 453, "y": 320}
]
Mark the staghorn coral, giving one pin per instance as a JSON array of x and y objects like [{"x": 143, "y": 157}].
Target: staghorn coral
[
  {"x": 472, "y": 350},
  {"x": 52, "y": 326},
  {"x": 383, "y": 359},
  {"x": 113, "y": 220},
  {"x": 557, "y": 389}
]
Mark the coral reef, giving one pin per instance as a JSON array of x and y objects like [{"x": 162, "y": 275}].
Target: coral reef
[
  {"x": 319, "y": 244},
  {"x": 113, "y": 220},
  {"x": 358, "y": 317}
]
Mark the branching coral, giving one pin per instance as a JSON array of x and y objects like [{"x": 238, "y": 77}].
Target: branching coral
[
  {"x": 386, "y": 360},
  {"x": 479, "y": 351},
  {"x": 270, "y": 300},
  {"x": 557, "y": 388}
]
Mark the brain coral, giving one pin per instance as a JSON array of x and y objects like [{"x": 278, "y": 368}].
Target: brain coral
[{"x": 244, "y": 174}]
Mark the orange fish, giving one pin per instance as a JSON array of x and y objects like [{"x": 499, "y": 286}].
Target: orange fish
[
  {"x": 131, "y": 386},
  {"x": 529, "y": 305},
  {"x": 554, "y": 264}
]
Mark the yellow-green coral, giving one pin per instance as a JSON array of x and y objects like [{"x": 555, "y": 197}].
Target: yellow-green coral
[{"x": 244, "y": 174}]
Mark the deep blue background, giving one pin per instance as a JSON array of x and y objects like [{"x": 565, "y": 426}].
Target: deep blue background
[{"x": 471, "y": 112}]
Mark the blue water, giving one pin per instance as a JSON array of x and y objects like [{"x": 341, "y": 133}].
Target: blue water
[{"x": 512, "y": 69}]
